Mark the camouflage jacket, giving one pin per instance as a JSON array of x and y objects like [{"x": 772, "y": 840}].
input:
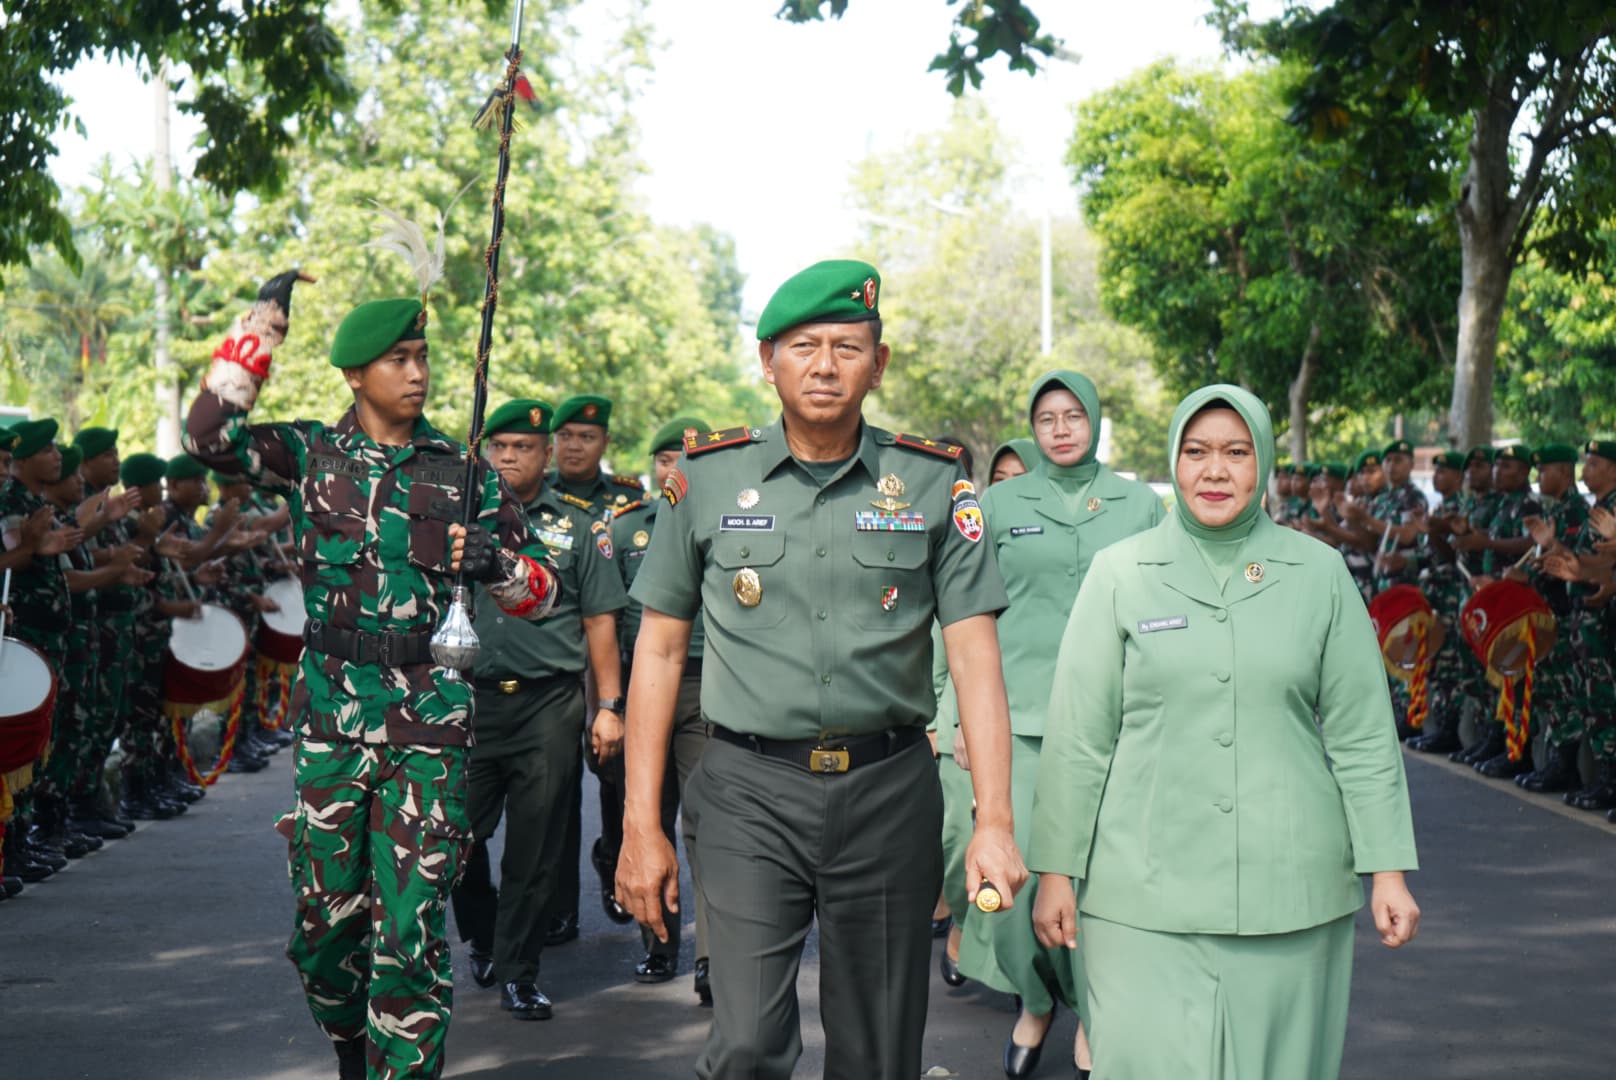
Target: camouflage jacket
[
  {"x": 371, "y": 524},
  {"x": 1585, "y": 540},
  {"x": 1509, "y": 523},
  {"x": 120, "y": 599},
  {"x": 82, "y": 604},
  {"x": 1479, "y": 511},
  {"x": 1398, "y": 506},
  {"x": 1569, "y": 516},
  {"x": 39, "y": 598}
]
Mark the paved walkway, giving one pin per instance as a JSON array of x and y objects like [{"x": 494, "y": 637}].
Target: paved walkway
[{"x": 160, "y": 957}]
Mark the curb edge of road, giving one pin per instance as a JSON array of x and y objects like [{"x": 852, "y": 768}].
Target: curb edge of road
[{"x": 1594, "y": 819}]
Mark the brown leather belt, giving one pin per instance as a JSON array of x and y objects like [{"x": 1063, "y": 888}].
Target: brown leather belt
[{"x": 828, "y": 755}]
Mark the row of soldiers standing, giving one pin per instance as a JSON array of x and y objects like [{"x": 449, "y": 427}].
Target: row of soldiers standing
[
  {"x": 1489, "y": 524},
  {"x": 104, "y": 552}
]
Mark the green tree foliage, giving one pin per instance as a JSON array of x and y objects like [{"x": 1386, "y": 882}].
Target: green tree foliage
[
  {"x": 1247, "y": 255},
  {"x": 1528, "y": 87},
  {"x": 593, "y": 296},
  {"x": 961, "y": 279}
]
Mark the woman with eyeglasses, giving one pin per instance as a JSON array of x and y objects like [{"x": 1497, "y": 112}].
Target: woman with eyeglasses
[
  {"x": 1047, "y": 526},
  {"x": 1220, "y": 766}
]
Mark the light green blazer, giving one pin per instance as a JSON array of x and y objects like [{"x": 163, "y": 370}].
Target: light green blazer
[{"x": 1220, "y": 762}]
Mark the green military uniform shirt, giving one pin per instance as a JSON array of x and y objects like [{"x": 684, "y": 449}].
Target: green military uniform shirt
[
  {"x": 851, "y": 573},
  {"x": 521, "y": 648},
  {"x": 602, "y": 496},
  {"x": 632, "y": 528}
]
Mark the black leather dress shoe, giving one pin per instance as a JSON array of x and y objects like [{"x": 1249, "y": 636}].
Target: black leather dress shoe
[
  {"x": 703, "y": 982},
  {"x": 482, "y": 968},
  {"x": 656, "y": 968},
  {"x": 608, "y": 887},
  {"x": 950, "y": 970},
  {"x": 350, "y": 1059},
  {"x": 524, "y": 1001},
  {"x": 941, "y": 927},
  {"x": 1021, "y": 1060},
  {"x": 562, "y": 930}
]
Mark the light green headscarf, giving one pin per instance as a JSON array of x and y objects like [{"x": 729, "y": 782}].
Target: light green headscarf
[
  {"x": 1082, "y": 387},
  {"x": 1221, "y": 546},
  {"x": 1025, "y": 450}
]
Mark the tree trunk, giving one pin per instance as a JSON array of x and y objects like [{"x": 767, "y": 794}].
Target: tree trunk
[
  {"x": 1301, "y": 386},
  {"x": 168, "y": 390}
]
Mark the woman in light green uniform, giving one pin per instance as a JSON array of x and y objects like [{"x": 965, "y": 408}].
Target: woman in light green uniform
[
  {"x": 1046, "y": 526},
  {"x": 1220, "y": 766},
  {"x": 1011, "y": 458}
]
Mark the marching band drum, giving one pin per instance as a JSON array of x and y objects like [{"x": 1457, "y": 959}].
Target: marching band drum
[{"x": 207, "y": 658}]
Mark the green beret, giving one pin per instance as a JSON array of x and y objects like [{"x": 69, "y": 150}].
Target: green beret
[
  {"x": 32, "y": 437},
  {"x": 1397, "y": 446},
  {"x": 185, "y": 467},
  {"x": 837, "y": 291},
  {"x": 1604, "y": 448},
  {"x": 1310, "y": 469},
  {"x": 1365, "y": 459},
  {"x": 138, "y": 470},
  {"x": 1517, "y": 452},
  {"x": 1335, "y": 469},
  {"x": 95, "y": 440},
  {"x": 372, "y": 328},
  {"x": 1481, "y": 453},
  {"x": 1450, "y": 459},
  {"x": 523, "y": 416},
  {"x": 8, "y": 438},
  {"x": 1550, "y": 453},
  {"x": 583, "y": 409},
  {"x": 671, "y": 436},
  {"x": 1284, "y": 470},
  {"x": 72, "y": 458}
]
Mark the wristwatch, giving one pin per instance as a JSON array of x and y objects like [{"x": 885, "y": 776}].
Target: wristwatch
[{"x": 615, "y": 704}]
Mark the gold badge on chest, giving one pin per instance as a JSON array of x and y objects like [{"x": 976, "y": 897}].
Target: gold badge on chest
[
  {"x": 1254, "y": 572},
  {"x": 748, "y": 587},
  {"x": 891, "y": 489},
  {"x": 1094, "y": 504},
  {"x": 641, "y": 538}
]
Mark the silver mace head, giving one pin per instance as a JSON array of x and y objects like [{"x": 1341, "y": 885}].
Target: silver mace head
[{"x": 454, "y": 643}]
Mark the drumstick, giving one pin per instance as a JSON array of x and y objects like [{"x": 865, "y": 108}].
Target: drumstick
[
  {"x": 1380, "y": 550},
  {"x": 5, "y": 598},
  {"x": 190, "y": 593}
]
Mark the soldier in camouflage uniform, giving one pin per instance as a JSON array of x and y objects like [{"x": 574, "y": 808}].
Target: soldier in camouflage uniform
[
  {"x": 1477, "y": 507},
  {"x": 1395, "y": 519},
  {"x": 1280, "y": 507},
  {"x": 1444, "y": 587},
  {"x": 1501, "y": 547},
  {"x": 379, "y": 832},
  {"x": 1592, "y": 711}
]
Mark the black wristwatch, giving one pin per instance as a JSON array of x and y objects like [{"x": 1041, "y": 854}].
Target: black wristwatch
[{"x": 615, "y": 704}]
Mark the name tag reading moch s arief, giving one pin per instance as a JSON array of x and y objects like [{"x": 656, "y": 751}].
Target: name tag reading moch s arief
[
  {"x": 1171, "y": 622},
  {"x": 746, "y": 523}
]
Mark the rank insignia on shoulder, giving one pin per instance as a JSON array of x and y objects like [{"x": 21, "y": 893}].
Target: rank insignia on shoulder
[
  {"x": 627, "y": 481},
  {"x": 621, "y": 510},
  {"x": 930, "y": 446},
  {"x": 676, "y": 487},
  {"x": 700, "y": 442},
  {"x": 582, "y": 504},
  {"x": 962, "y": 487}
]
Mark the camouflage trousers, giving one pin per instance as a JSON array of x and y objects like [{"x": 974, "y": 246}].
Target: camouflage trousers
[
  {"x": 1554, "y": 690},
  {"x": 376, "y": 842},
  {"x": 145, "y": 736},
  {"x": 77, "y": 699},
  {"x": 1591, "y": 707},
  {"x": 114, "y": 662},
  {"x": 53, "y": 647},
  {"x": 1448, "y": 672}
]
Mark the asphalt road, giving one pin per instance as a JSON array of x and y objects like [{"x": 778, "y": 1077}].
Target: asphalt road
[{"x": 160, "y": 957}]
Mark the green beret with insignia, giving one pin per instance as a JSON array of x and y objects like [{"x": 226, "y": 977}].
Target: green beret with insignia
[
  {"x": 138, "y": 470},
  {"x": 185, "y": 467},
  {"x": 671, "y": 436},
  {"x": 1605, "y": 448},
  {"x": 32, "y": 437},
  {"x": 1450, "y": 459},
  {"x": 1284, "y": 470},
  {"x": 1336, "y": 469},
  {"x": 1551, "y": 453},
  {"x": 1365, "y": 459},
  {"x": 522, "y": 416},
  {"x": 72, "y": 458},
  {"x": 835, "y": 291},
  {"x": 583, "y": 409},
  {"x": 374, "y": 327},
  {"x": 1310, "y": 469},
  {"x": 1517, "y": 452},
  {"x": 95, "y": 440},
  {"x": 1397, "y": 446},
  {"x": 1481, "y": 453},
  {"x": 8, "y": 438}
]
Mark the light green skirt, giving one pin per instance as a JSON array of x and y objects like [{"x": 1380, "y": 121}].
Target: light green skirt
[
  {"x": 957, "y": 801},
  {"x": 1217, "y": 1006},
  {"x": 999, "y": 950}
]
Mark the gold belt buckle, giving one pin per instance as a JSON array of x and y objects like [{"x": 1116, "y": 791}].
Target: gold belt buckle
[
  {"x": 509, "y": 686},
  {"x": 829, "y": 759}
]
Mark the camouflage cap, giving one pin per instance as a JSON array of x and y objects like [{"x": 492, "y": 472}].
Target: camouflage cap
[
  {"x": 374, "y": 327},
  {"x": 583, "y": 409},
  {"x": 32, "y": 437},
  {"x": 671, "y": 436},
  {"x": 138, "y": 470},
  {"x": 520, "y": 416},
  {"x": 185, "y": 467},
  {"x": 834, "y": 291},
  {"x": 1555, "y": 452},
  {"x": 95, "y": 440}
]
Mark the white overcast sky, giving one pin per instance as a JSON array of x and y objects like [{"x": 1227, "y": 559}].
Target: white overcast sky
[{"x": 753, "y": 125}]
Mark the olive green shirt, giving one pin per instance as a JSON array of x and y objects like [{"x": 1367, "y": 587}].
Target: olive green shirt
[
  {"x": 632, "y": 529},
  {"x": 604, "y": 495},
  {"x": 513, "y": 647},
  {"x": 1220, "y": 761},
  {"x": 1044, "y": 548},
  {"x": 839, "y": 641}
]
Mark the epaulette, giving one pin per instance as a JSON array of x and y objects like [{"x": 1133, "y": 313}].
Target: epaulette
[
  {"x": 629, "y": 482},
  {"x": 582, "y": 504},
  {"x": 619, "y": 511},
  {"x": 712, "y": 440},
  {"x": 929, "y": 446}
]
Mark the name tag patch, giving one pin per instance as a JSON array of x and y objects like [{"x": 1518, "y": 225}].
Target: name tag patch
[
  {"x": 336, "y": 463},
  {"x": 746, "y": 523},
  {"x": 885, "y": 521},
  {"x": 1171, "y": 622},
  {"x": 1026, "y": 530}
]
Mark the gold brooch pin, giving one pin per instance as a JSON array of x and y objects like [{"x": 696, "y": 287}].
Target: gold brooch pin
[
  {"x": 642, "y": 538},
  {"x": 1094, "y": 504},
  {"x": 892, "y": 489},
  {"x": 1254, "y": 572},
  {"x": 748, "y": 587}
]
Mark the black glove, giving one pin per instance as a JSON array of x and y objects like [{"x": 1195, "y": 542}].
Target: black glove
[{"x": 479, "y": 559}]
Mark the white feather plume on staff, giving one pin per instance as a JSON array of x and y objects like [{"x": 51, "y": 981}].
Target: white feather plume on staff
[{"x": 404, "y": 237}]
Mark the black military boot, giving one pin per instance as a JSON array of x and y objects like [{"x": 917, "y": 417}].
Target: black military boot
[
  {"x": 83, "y": 816},
  {"x": 1500, "y": 767},
  {"x": 105, "y": 802},
  {"x": 19, "y": 863},
  {"x": 135, "y": 804},
  {"x": 1557, "y": 773},
  {"x": 177, "y": 785},
  {"x": 1490, "y": 745},
  {"x": 9, "y": 886},
  {"x": 350, "y": 1059},
  {"x": 1440, "y": 738},
  {"x": 1599, "y": 795}
]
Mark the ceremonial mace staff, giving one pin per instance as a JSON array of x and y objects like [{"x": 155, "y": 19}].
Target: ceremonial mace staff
[{"x": 454, "y": 643}]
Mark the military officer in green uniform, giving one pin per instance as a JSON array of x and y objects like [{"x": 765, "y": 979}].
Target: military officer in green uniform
[
  {"x": 530, "y": 717},
  {"x": 818, "y": 551},
  {"x": 633, "y": 526},
  {"x": 582, "y": 433}
]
